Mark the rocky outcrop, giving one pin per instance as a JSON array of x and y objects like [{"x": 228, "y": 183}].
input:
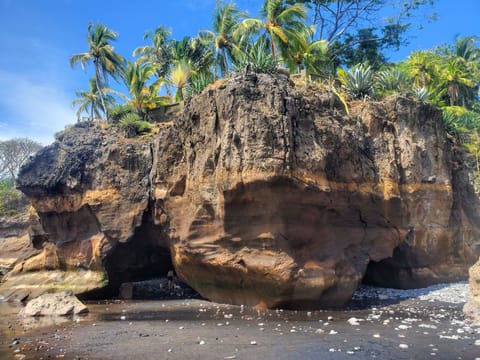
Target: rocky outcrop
[
  {"x": 91, "y": 193},
  {"x": 15, "y": 241},
  {"x": 472, "y": 307},
  {"x": 264, "y": 194},
  {"x": 59, "y": 304}
]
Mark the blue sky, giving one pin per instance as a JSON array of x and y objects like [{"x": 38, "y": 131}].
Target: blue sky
[{"x": 37, "y": 38}]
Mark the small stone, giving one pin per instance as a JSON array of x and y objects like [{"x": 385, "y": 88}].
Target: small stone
[
  {"x": 353, "y": 321},
  {"x": 333, "y": 332},
  {"x": 253, "y": 342},
  {"x": 403, "y": 346},
  {"x": 202, "y": 342},
  {"x": 123, "y": 317},
  {"x": 169, "y": 350},
  {"x": 477, "y": 342},
  {"x": 376, "y": 335}
]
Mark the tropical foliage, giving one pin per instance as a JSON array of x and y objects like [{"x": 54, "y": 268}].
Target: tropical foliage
[
  {"x": 340, "y": 43},
  {"x": 101, "y": 52},
  {"x": 12, "y": 201},
  {"x": 91, "y": 101}
]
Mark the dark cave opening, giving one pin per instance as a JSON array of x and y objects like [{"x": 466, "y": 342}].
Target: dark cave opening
[
  {"x": 396, "y": 271},
  {"x": 145, "y": 256}
]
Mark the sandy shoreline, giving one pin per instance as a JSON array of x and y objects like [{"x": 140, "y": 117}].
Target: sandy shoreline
[{"x": 397, "y": 324}]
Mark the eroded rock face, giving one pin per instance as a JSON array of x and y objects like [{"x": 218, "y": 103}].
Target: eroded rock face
[
  {"x": 285, "y": 200},
  {"x": 265, "y": 194},
  {"x": 15, "y": 243},
  {"x": 91, "y": 193},
  {"x": 472, "y": 307}
]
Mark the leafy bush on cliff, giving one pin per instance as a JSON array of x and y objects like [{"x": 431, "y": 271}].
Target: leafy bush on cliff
[
  {"x": 358, "y": 82},
  {"x": 257, "y": 58},
  {"x": 119, "y": 111},
  {"x": 132, "y": 125}
]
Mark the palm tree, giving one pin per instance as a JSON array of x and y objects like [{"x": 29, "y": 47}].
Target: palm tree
[
  {"x": 225, "y": 21},
  {"x": 190, "y": 57},
  {"x": 283, "y": 23},
  {"x": 90, "y": 101},
  {"x": 466, "y": 49},
  {"x": 179, "y": 77},
  {"x": 422, "y": 67},
  {"x": 105, "y": 60},
  {"x": 143, "y": 95},
  {"x": 159, "y": 53},
  {"x": 194, "y": 52},
  {"x": 458, "y": 81},
  {"x": 312, "y": 56}
]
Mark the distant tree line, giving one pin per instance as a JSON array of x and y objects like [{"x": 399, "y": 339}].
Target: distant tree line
[{"x": 13, "y": 154}]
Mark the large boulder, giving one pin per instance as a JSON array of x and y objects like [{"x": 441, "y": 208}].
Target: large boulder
[
  {"x": 280, "y": 198},
  {"x": 263, "y": 193},
  {"x": 57, "y": 304}
]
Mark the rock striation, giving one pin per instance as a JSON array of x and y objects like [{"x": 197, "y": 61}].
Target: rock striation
[{"x": 263, "y": 193}]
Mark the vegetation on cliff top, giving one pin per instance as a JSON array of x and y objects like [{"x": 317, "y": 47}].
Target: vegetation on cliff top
[{"x": 338, "y": 43}]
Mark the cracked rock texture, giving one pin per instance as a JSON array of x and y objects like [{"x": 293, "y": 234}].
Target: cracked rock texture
[{"x": 264, "y": 194}]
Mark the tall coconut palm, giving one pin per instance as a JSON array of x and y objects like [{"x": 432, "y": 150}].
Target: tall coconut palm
[
  {"x": 282, "y": 22},
  {"x": 143, "y": 93},
  {"x": 458, "y": 81},
  {"x": 105, "y": 60},
  {"x": 466, "y": 49},
  {"x": 91, "y": 101},
  {"x": 226, "y": 19},
  {"x": 311, "y": 56},
  {"x": 159, "y": 52}
]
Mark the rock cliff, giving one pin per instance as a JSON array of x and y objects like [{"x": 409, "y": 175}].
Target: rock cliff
[
  {"x": 472, "y": 307},
  {"x": 261, "y": 193}
]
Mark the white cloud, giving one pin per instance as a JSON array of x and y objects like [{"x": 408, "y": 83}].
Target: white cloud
[{"x": 32, "y": 108}]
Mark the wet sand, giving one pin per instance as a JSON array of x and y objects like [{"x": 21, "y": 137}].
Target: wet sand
[{"x": 378, "y": 325}]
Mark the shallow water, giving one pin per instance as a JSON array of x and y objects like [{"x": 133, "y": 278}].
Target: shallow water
[{"x": 388, "y": 328}]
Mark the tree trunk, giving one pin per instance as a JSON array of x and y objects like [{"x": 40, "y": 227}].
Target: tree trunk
[{"x": 99, "y": 88}]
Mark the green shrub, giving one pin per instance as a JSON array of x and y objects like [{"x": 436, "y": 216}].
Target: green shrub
[
  {"x": 392, "y": 81},
  {"x": 358, "y": 82},
  {"x": 118, "y": 112},
  {"x": 421, "y": 93},
  {"x": 199, "y": 82},
  {"x": 257, "y": 58},
  {"x": 12, "y": 201},
  {"x": 132, "y": 125}
]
